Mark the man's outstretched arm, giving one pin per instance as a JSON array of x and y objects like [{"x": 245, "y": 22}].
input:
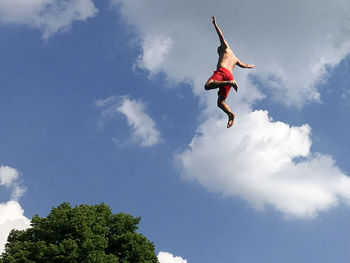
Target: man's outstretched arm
[
  {"x": 221, "y": 36},
  {"x": 244, "y": 65}
]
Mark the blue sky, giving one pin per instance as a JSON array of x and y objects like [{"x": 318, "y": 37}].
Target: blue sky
[{"x": 103, "y": 101}]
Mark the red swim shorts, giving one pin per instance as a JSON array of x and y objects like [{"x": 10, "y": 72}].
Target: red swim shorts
[{"x": 223, "y": 74}]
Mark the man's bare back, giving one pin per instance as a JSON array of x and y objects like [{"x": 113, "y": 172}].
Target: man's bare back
[{"x": 223, "y": 78}]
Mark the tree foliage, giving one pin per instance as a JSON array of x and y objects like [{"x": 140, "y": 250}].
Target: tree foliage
[{"x": 81, "y": 234}]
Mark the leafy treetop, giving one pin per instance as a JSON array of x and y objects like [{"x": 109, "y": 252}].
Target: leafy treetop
[{"x": 81, "y": 234}]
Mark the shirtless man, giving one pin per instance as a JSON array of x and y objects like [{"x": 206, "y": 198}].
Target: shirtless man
[{"x": 222, "y": 77}]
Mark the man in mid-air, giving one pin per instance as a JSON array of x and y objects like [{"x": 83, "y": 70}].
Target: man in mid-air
[{"x": 222, "y": 77}]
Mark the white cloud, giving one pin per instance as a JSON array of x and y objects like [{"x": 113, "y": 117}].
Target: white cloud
[
  {"x": 8, "y": 175},
  {"x": 165, "y": 257},
  {"x": 17, "y": 191},
  {"x": 9, "y": 178},
  {"x": 109, "y": 109},
  {"x": 11, "y": 213},
  {"x": 154, "y": 52},
  {"x": 143, "y": 127},
  {"x": 266, "y": 163},
  {"x": 11, "y": 217},
  {"x": 50, "y": 16},
  {"x": 346, "y": 95}
]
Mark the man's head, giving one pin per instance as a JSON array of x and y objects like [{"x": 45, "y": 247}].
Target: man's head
[{"x": 220, "y": 50}]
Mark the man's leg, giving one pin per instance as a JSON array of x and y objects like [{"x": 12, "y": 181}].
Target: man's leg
[
  {"x": 215, "y": 84},
  {"x": 222, "y": 105}
]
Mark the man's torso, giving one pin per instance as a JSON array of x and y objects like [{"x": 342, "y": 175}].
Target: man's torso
[{"x": 227, "y": 60}]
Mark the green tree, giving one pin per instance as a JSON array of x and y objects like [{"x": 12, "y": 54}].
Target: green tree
[{"x": 81, "y": 234}]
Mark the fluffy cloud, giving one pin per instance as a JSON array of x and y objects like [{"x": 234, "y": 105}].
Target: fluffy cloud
[
  {"x": 11, "y": 217},
  {"x": 143, "y": 128},
  {"x": 264, "y": 162},
  {"x": 165, "y": 257},
  {"x": 11, "y": 213},
  {"x": 8, "y": 175},
  {"x": 50, "y": 16},
  {"x": 8, "y": 178},
  {"x": 154, "y": 53}
]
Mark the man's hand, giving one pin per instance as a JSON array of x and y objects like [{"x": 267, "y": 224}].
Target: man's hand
[
  {"x": 244, "y": 65},
  {"x": 214, "y": 20}
]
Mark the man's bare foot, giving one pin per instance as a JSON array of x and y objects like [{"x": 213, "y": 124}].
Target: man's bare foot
[
  {"x": 231, "y": 118},
  {"x": 235, "y": 85}
]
